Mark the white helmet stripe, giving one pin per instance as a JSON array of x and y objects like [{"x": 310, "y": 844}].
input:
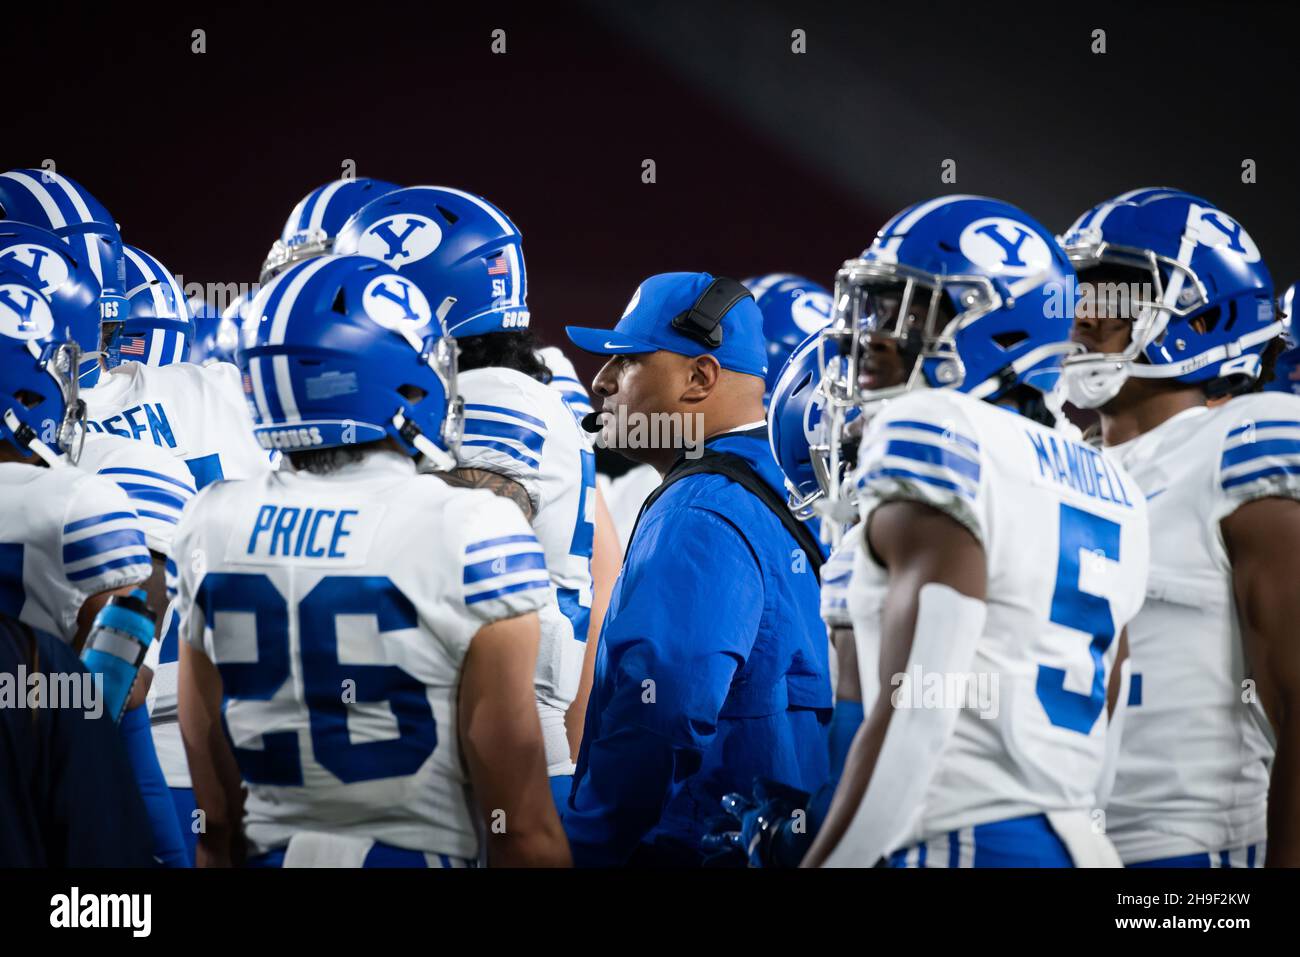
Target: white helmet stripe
[
  {"x": 157, "y": 342},
  {"x": 280, "y": 364},
  {"x": 323, "y": 201},
  {"x": 41, "y": 195},
  {"x": 902, "y": 225},
  {"x": 259, "y": 391},
  {"x": 290, "y": 296},
  {"x": 512, "y": 254},
  {"x": 151, "y": 282},
  {"x": 50, "y": 206},
  {"x": 485, "y": 206},
  {"x": 284, "y": 387}
]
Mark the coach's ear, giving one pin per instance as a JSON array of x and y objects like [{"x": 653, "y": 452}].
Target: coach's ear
[{"x": 702, "y": 374}]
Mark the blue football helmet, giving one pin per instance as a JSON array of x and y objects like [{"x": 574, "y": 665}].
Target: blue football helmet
[
  {"x": 64, "y": 280},
  {"x": 341, "y": 350},
  {"x": 158, "y": 327},
  {"x": 1209, "y": 311},
  {"x": 215, "y": 337},
  {"x": 1286, "y": 371},
  {"x": 464, "y": 254},
  {"x": 800, "y": 431},
  {"x": 315, "y": 221},
  {"x": 64, "y": 207},
  {"x": 40, "y": 412},
  {"x": 793, "y": 308},
  {"x": 975, "y": 294}
]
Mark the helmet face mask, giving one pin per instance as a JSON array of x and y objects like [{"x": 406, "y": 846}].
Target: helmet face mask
[
  {"x": 1198, "y": 266},
  {"x": 29, "y": 411},
  {"x": 282, "y": 255},
  {"x": 910, "y": 311},
  {"x": 61, "y": 361},
  {"x": 316, "y": 219}
]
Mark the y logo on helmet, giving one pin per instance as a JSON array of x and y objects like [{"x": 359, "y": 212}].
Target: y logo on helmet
[
  {"x": 396, "y": 303},
  {"x": 1220, "y": 229},
  {"x": 401, "y": 239},
  {"x": 1005, "y": 247},
  {"x": 811, "y": 311},
  {"x": 40, "y": 261},
  {"x": 812, "y": 418},
  {"x": 23, "y": 313}
]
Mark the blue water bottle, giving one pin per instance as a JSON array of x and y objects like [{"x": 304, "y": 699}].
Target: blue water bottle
[{"x": 116, "y": 647}]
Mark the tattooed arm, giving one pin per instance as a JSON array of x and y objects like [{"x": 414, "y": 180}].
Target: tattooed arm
[{"x": 493, "y": 482}]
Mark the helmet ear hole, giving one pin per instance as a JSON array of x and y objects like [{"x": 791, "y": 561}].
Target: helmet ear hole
[
  {"x": 1009, "y": 340},
  {"x": 28, "y": 398},
  {"x": 412, "y": 393}
]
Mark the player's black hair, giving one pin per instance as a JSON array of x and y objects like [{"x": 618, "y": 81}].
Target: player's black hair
[
  {"x": 325, "y": 461},
  {"x": 1268, "y": 361},
  {"x": 516, "y": 350}
]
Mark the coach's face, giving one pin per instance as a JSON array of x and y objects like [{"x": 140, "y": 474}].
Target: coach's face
[{"x": 643, "y": 384}]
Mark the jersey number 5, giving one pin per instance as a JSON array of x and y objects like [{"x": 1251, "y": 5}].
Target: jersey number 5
[
  {"x": 329, "y": 686},
  {"x": 1080, "y": 611}
]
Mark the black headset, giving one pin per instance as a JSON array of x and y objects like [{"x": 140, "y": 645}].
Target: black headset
[{"x": 703, "y": 321}]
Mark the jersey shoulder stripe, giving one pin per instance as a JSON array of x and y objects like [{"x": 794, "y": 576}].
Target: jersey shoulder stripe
[
  {"x": 923, "y": 447},
  {"x": 502, "y": 566},
  {"x": 1260, "y": 454}
]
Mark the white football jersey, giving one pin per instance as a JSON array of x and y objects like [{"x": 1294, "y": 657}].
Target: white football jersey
[
  {"x": 518, "y": 427},
  {"x": 1064, "y": 532},
  {"x": 564, "y": 380},
  {"x": 837, "y": 571},
  {"x": 159, "y": 486},
  {"x": 1194, "y": 761},
  {"x": 65, "y": 535},
  {"x": 195, "y": 413},
  {"x": 339, "y": 610}
]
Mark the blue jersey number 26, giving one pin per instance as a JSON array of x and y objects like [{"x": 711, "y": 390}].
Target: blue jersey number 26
[
  {"x": 324, "y": 678},
  {"x": 1080, "y": 611}
]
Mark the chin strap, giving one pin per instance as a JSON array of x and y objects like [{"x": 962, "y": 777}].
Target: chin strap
[
  {"x": 27, "y": 438},
  {"x": 441, "y": 459}
]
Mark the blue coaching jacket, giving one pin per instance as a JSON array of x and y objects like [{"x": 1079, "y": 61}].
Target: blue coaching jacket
[{"x": 712, "y": 670}]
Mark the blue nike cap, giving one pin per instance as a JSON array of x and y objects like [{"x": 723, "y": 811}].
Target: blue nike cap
[{"x": 647, "y": 325}]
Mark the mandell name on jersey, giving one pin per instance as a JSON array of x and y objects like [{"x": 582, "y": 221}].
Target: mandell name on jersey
[{"x": 291, "y": 438}]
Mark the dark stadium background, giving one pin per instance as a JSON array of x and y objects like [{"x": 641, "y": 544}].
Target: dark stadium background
[{"x": 766, "y": 160}]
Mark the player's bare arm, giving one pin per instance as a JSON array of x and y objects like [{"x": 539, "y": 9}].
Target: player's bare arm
[
  {"x": 606, "y": 560},
  {"x": 215, "y": 775},
  {"x": 919, "y": 545},
  {"x": 1116, "y": 679},
  {"x": 848, "y": 684},
  {"x": 1263, "y": 538},
  {"x": 494, "y": 482},
  {"x": 501, "y": 737}
]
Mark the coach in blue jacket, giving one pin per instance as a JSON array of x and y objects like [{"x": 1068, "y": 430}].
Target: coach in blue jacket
[{"x": 712, "y": 666}]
